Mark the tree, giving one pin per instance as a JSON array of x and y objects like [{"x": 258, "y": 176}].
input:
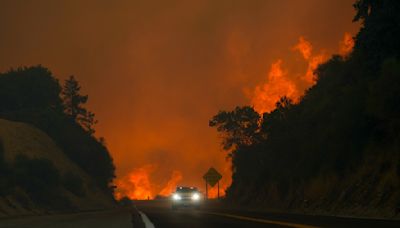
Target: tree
[
  {"x": 29, "y": 89},
  {"x": 33, "y": 95},
  {"x": 277, "y": 117},
  {"x": 239, "y": 127},
  {"x": 378, "y": 36},
  {"x": 363, "y": 9},
  {"x": 73, "y": 105},
  {"x": 350, "y": 115},
  {"x": 88, "y": 121}
]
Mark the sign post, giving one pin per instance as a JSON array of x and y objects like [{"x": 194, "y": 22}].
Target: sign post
[
  {"x": 206, "y": 190},
  {"x": 212, "y": 177},
  {"x": 218, "y": 189}
]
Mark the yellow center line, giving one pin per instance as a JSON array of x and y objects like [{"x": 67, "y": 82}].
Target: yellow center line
[{"x": 274, "y": 222}]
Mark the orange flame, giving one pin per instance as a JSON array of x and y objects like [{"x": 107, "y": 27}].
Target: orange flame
[
  {"x": 135, "y": 185},
  {"x": 313, "y": 63},
  {"x": 277, "y": 85},
  {"x": 171, "y": 184},
  {"x": 346, "y": 45},
  {"x": 304, "y": 47}
]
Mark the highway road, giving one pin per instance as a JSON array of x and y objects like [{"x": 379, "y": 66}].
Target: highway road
[
  {"x": 163, "y": 216},
  {"x": 157, "y": 213},
  {"x": 160, "y": 215}
]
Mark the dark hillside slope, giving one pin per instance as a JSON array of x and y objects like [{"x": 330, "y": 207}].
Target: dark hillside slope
[
  {"x": 33, "y": 95},
  {"x": 37, "y": 177},
  {"x": 337, "y": 150}
]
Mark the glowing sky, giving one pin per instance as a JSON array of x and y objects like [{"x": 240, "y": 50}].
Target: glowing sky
[{"x": 157, "y": 71}]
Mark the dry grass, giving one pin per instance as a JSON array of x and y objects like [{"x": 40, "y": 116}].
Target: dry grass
[{"x": 20, "y": 138}]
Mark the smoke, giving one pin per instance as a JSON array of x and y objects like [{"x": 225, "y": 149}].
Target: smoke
[
  {"x": 155, "y": 80},
  {"x": 281, "y": 80}
]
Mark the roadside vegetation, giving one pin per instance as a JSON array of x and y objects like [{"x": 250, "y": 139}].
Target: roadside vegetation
[
  {"x": 337, "y": 150},
  {"x": 33, "y": 95}
]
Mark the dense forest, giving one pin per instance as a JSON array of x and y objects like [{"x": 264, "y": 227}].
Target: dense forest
[
  {"x": 33, "y": 95},
  {"x": 340, "y": 143}
]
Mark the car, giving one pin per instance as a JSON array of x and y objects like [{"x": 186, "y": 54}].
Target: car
[{"x": 186, "y": 197}]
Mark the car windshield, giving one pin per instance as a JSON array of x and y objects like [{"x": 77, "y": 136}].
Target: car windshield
[{"x": 186, "y": 189}]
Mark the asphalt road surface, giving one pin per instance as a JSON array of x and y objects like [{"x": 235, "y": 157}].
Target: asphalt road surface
[
  {"x": 164, "y": 217},
  {"x": 161, "y": 215}
]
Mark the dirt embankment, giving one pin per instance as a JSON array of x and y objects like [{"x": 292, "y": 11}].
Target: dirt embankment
[
  {"x": 39, "y": 178},
  {"x": 372, "y": 191}
]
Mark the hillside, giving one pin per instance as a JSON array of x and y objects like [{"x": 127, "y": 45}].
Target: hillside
[
  {"x": 22, "y": 146},
  {"x": 336, "y": 150}
]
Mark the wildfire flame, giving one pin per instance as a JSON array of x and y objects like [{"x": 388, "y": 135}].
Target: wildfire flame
[
  {"x": 277, "y": 85},
  {"x": 346, "y": 45},
  {"x": 213, "y": 192},
  {"x": 136, "y": 185},
  {"x": 304, "y": 47},
  {"x": 171, "y": 184},
  {"x": 313, "y": 63}
]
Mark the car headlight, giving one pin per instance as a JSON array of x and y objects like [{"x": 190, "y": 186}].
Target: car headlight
[
  {"x": 176, "y": 197},
  {"x": 196, "y": 196}
]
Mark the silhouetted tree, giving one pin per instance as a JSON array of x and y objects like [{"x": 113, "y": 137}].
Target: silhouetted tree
[
  {"x": 74, "y": 105},
  {"x": 33, "y": 95},
  {"x": 73, "y": 101},
  {"x": 239, "y": 127},
  {"x": 30, "y": 89},
  {"x": 378, "y": 37},
  {"x": 350, "y": 114}
]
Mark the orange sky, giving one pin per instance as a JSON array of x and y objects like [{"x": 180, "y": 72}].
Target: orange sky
[{"x": 157, "y": 71}]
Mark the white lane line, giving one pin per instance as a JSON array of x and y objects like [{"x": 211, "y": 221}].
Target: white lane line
[{"x": 146, "y": 220}]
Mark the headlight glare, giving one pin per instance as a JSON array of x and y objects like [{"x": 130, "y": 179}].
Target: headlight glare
[
  {"x": 176, "y": 196},
  {"x": 196, "y": 196}
]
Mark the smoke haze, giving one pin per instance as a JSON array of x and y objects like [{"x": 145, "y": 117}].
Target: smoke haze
[{"x": 157, "y": 71}]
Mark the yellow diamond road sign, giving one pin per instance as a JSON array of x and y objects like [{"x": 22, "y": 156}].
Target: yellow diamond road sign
[{"x": 212, "y": 177}]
